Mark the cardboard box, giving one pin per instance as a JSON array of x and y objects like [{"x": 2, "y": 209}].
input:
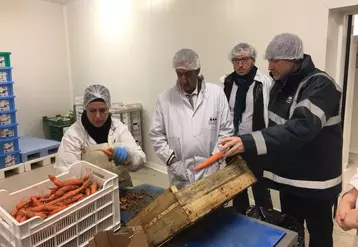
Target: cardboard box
[{"x": 125, "y": 237}]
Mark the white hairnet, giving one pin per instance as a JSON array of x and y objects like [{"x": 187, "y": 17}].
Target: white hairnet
[
  {"x": 96, "y": 92},
  {"x": 285, "y": 46},
  {"x": 186, "y": 59},
  {"x": 242, "y": 49}
]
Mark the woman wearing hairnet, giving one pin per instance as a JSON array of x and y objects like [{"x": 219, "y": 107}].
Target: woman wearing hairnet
[{"x": 97, "y": 130}]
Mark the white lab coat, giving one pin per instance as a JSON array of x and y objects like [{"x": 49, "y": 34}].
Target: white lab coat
[
  {"x": 192, "y": 134},
  {"x": 353, "y": 183},
  {"x": 76, "y": 138},
  {"x": 267, "y": 83}
]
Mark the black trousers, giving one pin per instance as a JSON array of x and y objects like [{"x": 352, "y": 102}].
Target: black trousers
[
  {"x": 261, "y": 193},
  {"x": 262, "y": 198},
  {"x": 316, "y": 212}
]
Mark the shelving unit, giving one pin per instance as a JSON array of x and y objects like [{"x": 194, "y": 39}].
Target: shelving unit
[{"x": 9, "y": 140}]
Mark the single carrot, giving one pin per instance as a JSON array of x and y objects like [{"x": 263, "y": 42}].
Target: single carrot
[
  {"x": 61, "y": 183},
  {"x": 23, "y": 218},
  {"x": 88, "y": 191},
  {"x": 209, "y": 161},
  {"x": 107, "y": 152},
  {"x": 93, "y": 187},
  {"x": 23, "y": 204},
  {"x": 35, "y": 201},
  {"x": 55, "y": 180}
]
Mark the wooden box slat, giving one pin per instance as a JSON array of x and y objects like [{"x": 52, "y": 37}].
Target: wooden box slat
[{"x": 176, "y": 209}]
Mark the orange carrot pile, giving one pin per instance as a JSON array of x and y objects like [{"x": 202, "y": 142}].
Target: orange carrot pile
[{"x": 64, "y": 194}]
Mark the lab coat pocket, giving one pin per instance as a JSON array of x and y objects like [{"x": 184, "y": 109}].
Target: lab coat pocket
[
  {"x": 179, "y": 171},
  {"x": 174, "y": 144}
]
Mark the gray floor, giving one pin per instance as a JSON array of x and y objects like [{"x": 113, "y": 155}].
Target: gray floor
[{"x": 146, "y": 175}]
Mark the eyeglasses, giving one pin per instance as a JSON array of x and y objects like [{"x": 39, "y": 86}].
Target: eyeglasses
[{"x": 243, "y": 60}]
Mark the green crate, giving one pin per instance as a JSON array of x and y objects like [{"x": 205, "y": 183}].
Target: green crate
[
  {"x": 55, "y": 127},
  {"x": 5, "y": 56}
]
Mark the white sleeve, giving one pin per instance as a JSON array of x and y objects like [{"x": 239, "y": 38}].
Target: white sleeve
[
  {"x": 68, "y": 153},
  {"x": 226, "y": 122},
  {"x": 158, "y": 135},
  {"x": 136, "y": 156},
  {"x": 353, "y": 183}
]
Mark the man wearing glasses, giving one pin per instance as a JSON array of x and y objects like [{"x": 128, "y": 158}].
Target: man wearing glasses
[
  {"x": 188, "y": 121},
  {"x": 247, "y": 91}
]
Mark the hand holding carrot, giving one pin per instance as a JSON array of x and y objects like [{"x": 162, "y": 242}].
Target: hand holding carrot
[{"x": 233, "y": 145}]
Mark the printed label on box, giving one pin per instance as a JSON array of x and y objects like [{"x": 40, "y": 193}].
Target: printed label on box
[
  {"x": 2, "y": 61},
  {"x": 4, "y": 105},
  {"x": 3, "y": 91},
  {"x": 3, "y": 76}
]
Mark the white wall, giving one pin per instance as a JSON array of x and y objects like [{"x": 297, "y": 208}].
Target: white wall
[
  {"x": 34, "y": 32},
  {"x": 128, "y": 45}
]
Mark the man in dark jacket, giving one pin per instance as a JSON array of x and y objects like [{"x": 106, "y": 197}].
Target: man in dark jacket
[
  {"x": 303, "y": 143},
  {"x": 247, "y": 91}
]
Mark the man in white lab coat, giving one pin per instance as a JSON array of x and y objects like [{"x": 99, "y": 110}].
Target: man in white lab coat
[{"x": 188, "y": 120}]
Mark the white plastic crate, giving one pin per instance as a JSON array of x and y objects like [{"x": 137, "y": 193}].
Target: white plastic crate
[{"x": 75, "y": 225}]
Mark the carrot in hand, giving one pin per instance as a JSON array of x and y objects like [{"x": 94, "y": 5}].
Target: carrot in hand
[{"x": 209, "y": 161}]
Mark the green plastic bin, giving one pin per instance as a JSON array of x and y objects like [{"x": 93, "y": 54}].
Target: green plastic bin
[
  {"x": 5, "y": 59},
  {"x": 55, "y": 127}
]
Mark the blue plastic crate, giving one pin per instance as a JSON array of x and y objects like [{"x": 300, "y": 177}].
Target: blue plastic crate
[
  {"x": 6, "y": 89},
  {"x": 7, "y": 131},
  {"x": 9, "y": 159},
  {"x": 7, "y": 117},
  {"x": 7, "y": 103},
  {"x": 5, "y": 74},
  {"x": 9, "y": 145}
]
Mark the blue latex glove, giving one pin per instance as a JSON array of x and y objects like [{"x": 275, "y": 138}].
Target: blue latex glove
[{"x": 119, "y": 155}]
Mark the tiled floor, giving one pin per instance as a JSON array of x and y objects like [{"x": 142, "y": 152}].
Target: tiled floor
[{"x": 146, "y": 175}]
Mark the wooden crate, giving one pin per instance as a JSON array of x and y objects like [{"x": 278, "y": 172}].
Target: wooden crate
[{"x": 176, "y": 209}]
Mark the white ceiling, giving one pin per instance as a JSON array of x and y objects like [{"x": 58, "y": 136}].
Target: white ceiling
[{"x": 58, "y": 1}]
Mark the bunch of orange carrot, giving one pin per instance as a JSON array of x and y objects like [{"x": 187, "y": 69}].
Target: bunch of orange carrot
[{"x": 64, "y": 194}]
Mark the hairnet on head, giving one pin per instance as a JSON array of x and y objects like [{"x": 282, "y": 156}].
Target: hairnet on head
[
  {"x": 242, "y": 49},
  {"x": 97, "y": 92},
  {"x": 186, "y": 59},
  {"x": 285, "y": 46}
]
